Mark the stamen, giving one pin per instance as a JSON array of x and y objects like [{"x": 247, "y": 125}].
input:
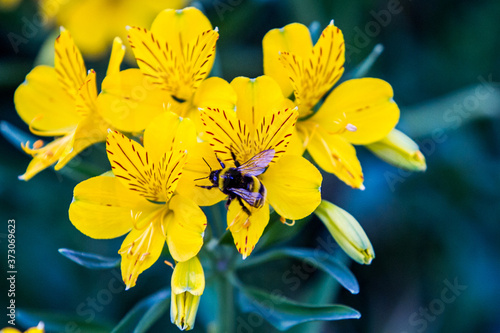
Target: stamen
[
  {"x": 351, "y": 128},
  {"x": 309, "y": 137},
  {"x": 283, "y": 220},
  {"x": 38, "y": 144},
  {"x": 169, "y": 264}
]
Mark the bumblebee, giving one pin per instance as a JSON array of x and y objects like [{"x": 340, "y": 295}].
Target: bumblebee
[{"x": 241, "y": 182}]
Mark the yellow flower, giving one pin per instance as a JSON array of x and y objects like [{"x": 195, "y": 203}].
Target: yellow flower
[
  {"x": 140, "y": 199},
  {"x": 94, "y": 23},
  {"x": 188, "y": 283},
  {"x": 359, "y": 111},
  {"x": 291, "y": 185},
  {"x": 40, "y": 328},
  {"x": 175, "y": 57},
  {"x": 62, "y": 101}
]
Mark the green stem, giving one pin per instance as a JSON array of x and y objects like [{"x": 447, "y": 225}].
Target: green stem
[{"x": 226, "y": 312}]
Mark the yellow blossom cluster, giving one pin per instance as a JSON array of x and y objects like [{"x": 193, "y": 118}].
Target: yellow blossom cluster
[{"x": 177, "y": 139}]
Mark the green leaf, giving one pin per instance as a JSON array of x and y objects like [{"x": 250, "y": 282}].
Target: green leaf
[
  {"x": 57, "y": 322},
  {"x": 145, "y": 313},
  {"x": 277, "y": 232},
  {"x": 317, "y": 258},
  {"x": 226, "y": 238},
  {"x": 90, "y": 260},
  {"x": 14, "y": 135},
  {"x": 365, "y": 66},
  {"x": 284, "y": 313}
]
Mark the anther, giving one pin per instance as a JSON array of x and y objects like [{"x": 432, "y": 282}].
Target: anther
[
  {"x": 351, "y": 128},
  {"x": 38, "y": 144}
]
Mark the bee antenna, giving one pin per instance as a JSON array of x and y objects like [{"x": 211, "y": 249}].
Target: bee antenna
[{"x": 207, "y": 165}]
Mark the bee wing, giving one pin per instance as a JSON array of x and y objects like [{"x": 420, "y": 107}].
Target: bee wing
[
  {"x": 252, "y": 198},
  {"x": 257, "y": 164}
]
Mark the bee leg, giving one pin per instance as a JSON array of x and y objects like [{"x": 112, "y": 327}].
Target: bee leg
[
  {"x": 207, "y": 186},
  {"x": 245, "y": 209},
  {"x": 220, "y": 162},
  {"x": 228, "y": 201},
  {"x": 236, "y": 163}
]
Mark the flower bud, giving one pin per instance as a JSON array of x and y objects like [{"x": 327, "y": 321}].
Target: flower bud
[
  {"x": 188, "y": 283},
  {"x": 399, "y": 150},
  {"x": 346, "y": 231}
]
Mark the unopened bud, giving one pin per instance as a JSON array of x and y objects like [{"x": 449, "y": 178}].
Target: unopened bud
[
  {"x": 399, "y": 150},
  {"x": 347, "y": 232}
]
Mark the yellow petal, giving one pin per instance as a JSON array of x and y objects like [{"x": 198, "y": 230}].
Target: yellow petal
[
  {"x": 188, "y": 276},
  {"x": 227, "y": 134},
  {"x": 90, "y": 23},
  {"x": 68, "y": 63},
  {"x": 366, "y": 104},
  {"x": 230, "y": 136},
  {"x": 116, "y": 58},
  {"x": 168, "y": 132},
  {"x": 129, "y": 101},
  {"x": 87, "y": 95},
  {"x": 215, "y": 92},
  {"x": 293, "y": 187},
  {"x": 256, "y": 99},
  {"x": 41, "y": 102},
  {"x": 178, "y": 27},
  {"x": 40, "y": 328},
  {"x": 195, "y": 174},
  {"x": 103, "y": 208},
  {"x": 293, "y": 38},
  {"x": 90, "y": 130},
  {"x": 45, "y": 156},
  {"x": 326, "y": 64},
  {"x": 314, "y": 75},
  {"x": 188, "y": 284},
  {"x": 183, "y": 309},
  {"x": 94, "y": 23},
  {"x": 399, "y": 150},
  {"x": 246, "y": 230},
  {"x": 275, "y": 132},
  {"x": 140, "y": 250},
  {"x": 296, "y": 145},
  {"x": 335, "y": 155},
  {"x": 6, "y": 5},
  {"x": 9, "y": 330},
  {"x": 186, "y": 225},
  {"x": 131, "y": 164},
  {"x": 180, "y": 69}
]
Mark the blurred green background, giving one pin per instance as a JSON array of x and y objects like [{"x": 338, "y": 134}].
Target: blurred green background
[{"x": 429, "y": 230}]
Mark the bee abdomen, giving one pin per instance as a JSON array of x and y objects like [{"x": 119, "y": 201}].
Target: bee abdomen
[{"x": 258, "y": 187}]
